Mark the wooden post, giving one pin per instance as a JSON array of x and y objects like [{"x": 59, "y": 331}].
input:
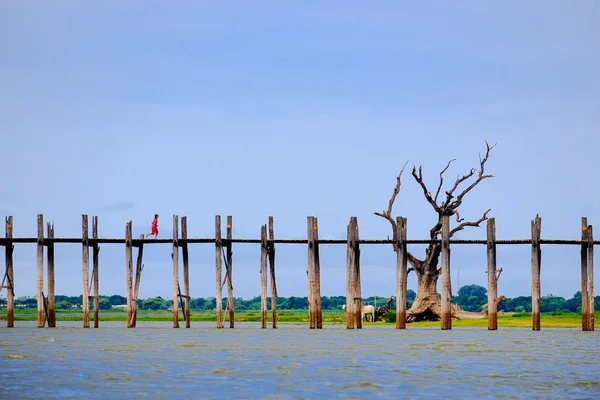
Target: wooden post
[
  {"x": 95, "y": 254},
  {"x": 401, "y": 272},
  {"x": 357, "y": 284},
  {"x": 129, "y": 271},
  {"x": 584, "y": 266},
  {"x": 40, "y": 272},
  {"x": 229, "y": 259},
  {"x": 317, "y": 277},
  {"x": 310, "y": 269},
  {"x": 263, "y": 276},
  {"x": 314, "y": 275},
  {"x": 51, "y": 302},
  {"x": 175, "y": 271},
  {"x": 492, "y": 282},
  {"x": 590, "y": 279},
  {"x": 219, "y": 268},
  {"x": 353, "y": 291},
  {"x": 350, "y": 255},
  {"x": 139, "y": 266},
  {"x": 271, "y": 254},
  {"x": 536, "y": 255},
  {"x": 446, "y": 317},
  {"x": 8, "y": 257},
  {"x": 85, "y": 254},
  {"x": 186, "y": 271}
]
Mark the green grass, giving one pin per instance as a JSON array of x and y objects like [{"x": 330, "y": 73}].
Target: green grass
[{"x": 506, "y": 320}]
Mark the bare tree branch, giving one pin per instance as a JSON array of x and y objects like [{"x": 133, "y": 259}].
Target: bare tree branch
[
  {"x": 436, "y": 230},
  {"x": 408, "y": 271},
  {"x": 419, "y": 178},
  {"x": 465, "y": 224},
  {"x": 414, "y": 261},
  {"x": 498, "y": 274},
  {"x": 459, "y": 180},
  {"x": 454, "y": 205},
  {"x": 442, "y": 180},
  {"x": 388, "y": 214}
]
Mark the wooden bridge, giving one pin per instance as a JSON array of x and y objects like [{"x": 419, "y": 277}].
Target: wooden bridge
[{"x": 223, "y": 255}]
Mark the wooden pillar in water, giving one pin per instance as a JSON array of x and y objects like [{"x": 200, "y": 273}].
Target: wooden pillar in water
[
  {"x": 357, "y": 284},
  {"x": 129, "y": 271},
  {"x": 314, "y": 275},
  {"x": 271, "y": 254},
  {"x": 40, "y": 272},
  {"x": 229, "y": 273},
  {"x": 139, "y": 266},
  {"x": 590, "y": 279},
  {"x": 584, "y": 266},
  {"x": 95, "y": 254},
  {"x": 219, "y": 271},
  {"x": 401, "y": 272},
  {"x": 317, "y": 277},
  {"x": 446, "y": 317},
  {"x": 309, "y": 267},
  {"x": 350, "y": 277},
  {"x": 175, "y": 271},
  {"x": 536, "y": 255},
  {"x": 186, "y": 271},
  {"x": 10, "y": 276},
  {"x": 263, "y": 276},
  {"x": 491, "y": 270},
  {"x": 51, "y": 299},
  {"x": 353, "y": 295},
  {"x": 85, "y": 255}
]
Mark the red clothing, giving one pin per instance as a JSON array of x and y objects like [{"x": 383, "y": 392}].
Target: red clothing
[{"x": 155, "y": 226}]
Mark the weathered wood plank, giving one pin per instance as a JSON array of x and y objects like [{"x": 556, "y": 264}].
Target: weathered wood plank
[
  {"x": 271, "y": 254},
  {"x": 357, "y": 283},
  {"x": 175, "y": 271},
  {"x": 584, "y": 260},
  {"x": 40, "y": 272},
  {"x": 10, "y": 277},
  {"x": 186, "y": 271},
  {"x": 95, "y": 273},
  {"x": 350, "y": 255},
  {"x": 536, "y": 255},
  {"x": 314, "y": 275},
  {"x": 492, "y": 282},
  {"x": 139, "y": 266},
  {"x": 129, "y": 271},
  {"x": 401, "y": 273},
  {"x": 229, "y": 259},
  {"x": 317, "y": 277},
  {"x": 85, "y": 255},
  {"x": 263, "y": 276},
  {"x": 51, "y": 309},
  {"x": 219, "y": 271},
  {"x": 446, "y": 317},
  {"x": 590, "y": 279},
  {"x": 310, "y": 269}
]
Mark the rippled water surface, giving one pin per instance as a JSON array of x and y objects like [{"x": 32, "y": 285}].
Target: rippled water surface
[{"x": 156, "y": 361}]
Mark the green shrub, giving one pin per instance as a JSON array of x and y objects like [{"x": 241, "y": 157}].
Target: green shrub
[
  {"x": 391, "y": 316},
  {"x": 521, "y": 315}
]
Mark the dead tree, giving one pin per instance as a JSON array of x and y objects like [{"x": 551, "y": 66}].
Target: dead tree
[{"x": 427, "y": 304}]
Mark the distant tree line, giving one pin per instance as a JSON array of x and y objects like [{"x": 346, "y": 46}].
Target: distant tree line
[
  {"x": 469, "y": 298},
  {"x": 474, "y": 297}
]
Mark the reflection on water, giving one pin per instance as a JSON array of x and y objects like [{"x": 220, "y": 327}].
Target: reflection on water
[{"x": 293, "y": 362}]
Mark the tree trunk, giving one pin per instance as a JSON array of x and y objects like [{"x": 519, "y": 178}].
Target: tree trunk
[{"x": 427, "y": 304}]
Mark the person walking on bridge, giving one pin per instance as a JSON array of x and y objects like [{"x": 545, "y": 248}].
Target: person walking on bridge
[{"x": 154, "y": 227}]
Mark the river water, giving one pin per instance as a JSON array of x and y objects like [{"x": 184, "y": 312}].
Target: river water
[{"x": 293, "y": 362}]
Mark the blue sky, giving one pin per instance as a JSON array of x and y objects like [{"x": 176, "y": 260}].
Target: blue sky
[{"x": 290, "y": 109}]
